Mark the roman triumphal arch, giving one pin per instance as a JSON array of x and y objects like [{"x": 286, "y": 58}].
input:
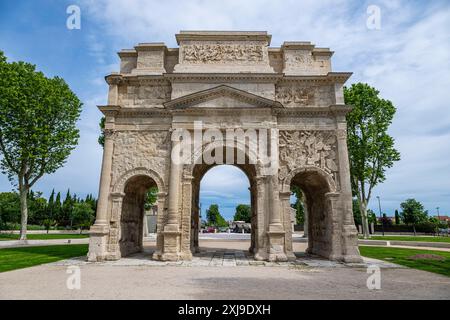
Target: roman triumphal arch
[{"x": 225, "y": 98}]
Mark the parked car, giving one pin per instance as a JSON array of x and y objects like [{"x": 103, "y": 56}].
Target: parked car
[{"x": 210, "y": 230}]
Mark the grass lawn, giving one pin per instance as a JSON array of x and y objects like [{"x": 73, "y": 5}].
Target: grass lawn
[
  {"x": 427, "y": 260},
  {"x": 17, "y": 258},
  {"x": 43, "y": 236},
  {"x": 411, "y": 238}
]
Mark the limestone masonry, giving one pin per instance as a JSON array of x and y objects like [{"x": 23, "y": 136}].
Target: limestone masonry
[{"x": 226, "y": 80}]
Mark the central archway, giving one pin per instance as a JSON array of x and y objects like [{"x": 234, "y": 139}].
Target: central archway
[
  {"x": 242, "y": 159},
  {"x": 203, "y": 171}
]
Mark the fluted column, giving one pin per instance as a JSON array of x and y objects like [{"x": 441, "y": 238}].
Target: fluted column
[
  {"x": 174, "y": 191},
  {"x": 172, "y": 247},
  {"x": 105, "y": 179},
  {"x": 275, "y": 216},
  {"x": 350, "y": 251}
]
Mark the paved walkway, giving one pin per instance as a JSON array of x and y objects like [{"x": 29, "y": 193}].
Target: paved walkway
[
  {"x": 224, "y": 271},
  {"x": 226, "y": 258}
]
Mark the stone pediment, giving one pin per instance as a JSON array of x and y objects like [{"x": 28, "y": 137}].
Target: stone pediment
[{"x": 222, "y": 97}]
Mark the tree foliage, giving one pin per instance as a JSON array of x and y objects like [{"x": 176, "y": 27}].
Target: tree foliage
[
  {"x": 299, "y": 205},
  {"x": 371, "y": 148},
  {"x": 42, "y": 212},
  {"x": 243, "y": 213},
  {"x": 38, "y": 131},
  {"x": 101, "y": 137},
  {"x": 150, "y": 198},
  {"x": 413, "y": 213},
  {"x": 214, "y": 217}
]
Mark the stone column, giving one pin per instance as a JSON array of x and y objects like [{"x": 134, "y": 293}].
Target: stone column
[
  {"x": 276, "y": 230},
  {"x": 159, "y": 226},
  {"x": 350, "y": 234},
  {"x": 171, "y": 250},
  {"x": 186, "y": 218},
  {"x": 285, "y": 204},
  {"x": 261, "y": 242},
  {"x": 99, "y": 231}
]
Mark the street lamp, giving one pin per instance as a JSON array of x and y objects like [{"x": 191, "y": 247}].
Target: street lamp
[
  {"x": 437, "y": 208},
  {"x": 381, "y": 217}
]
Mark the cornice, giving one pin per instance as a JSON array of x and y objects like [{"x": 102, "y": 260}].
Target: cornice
[
  {"x": 109, "y": 110},
  {"x": 330, "y": 111},
  {"x": 276, "y": 78},
  {"x": 223, "y": 77},
  {"x": 186, "y": 35},
  {"x": 221, "y": 91}
]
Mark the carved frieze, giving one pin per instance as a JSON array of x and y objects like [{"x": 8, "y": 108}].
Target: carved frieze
[
  {"x": 307, "y": 148},
  {"x": 140, "y": 149},
  {"x": 300, "y": 59},
  {"x": 292, "y": 94},
  {"x": 142, "y": 95},
  {"x": 222, "y": 53}
]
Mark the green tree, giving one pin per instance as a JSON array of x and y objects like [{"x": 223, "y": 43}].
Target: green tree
[
  {"x": 397, "y": 217},
  {"x": 38, "y": 131},
  {"x": 356, "y": 213},
  {"x": 413, "y": 213},
  {"x": 9, "y": 208},
  {"x": 371, "y": 149},
  {"x": 82, "y": 215},
  {"x": 243, "y": 213},
  {"x": 37, "y": 207},
  {"x": 214, "y": 217},
  {"x": 150, "y": 198},
  {"x": 101, "y": 137},
  {"x": 299, "y": 205},
  {"x": 65, "y": 216},
  {"x": 371, "y": 216}
]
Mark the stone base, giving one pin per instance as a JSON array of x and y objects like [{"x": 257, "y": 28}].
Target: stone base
[
  {"x": 171, "y": 250},
  {"x": 352, "y": 259},
  {"x": 276, "y": 236},
  {"x": 170, "y": 256},
  {"x": 97, "y": 243}
]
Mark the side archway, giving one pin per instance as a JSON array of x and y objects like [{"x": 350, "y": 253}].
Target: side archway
[
  {"x": 129, "y": 198},
  {"x": 319, "y": 191}
]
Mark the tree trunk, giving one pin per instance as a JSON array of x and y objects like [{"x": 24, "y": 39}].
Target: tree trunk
[
  {"x": 23, "y": 212},
  {"x": 414, "y": 228},
  {"x": 364, "y": 219}
]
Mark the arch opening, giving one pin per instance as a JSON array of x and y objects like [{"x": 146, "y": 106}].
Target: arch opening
[
  {"x": 313, "y": 189},
  {"x": 139, "y": 194},
  {"x": 242, "y": 192}
]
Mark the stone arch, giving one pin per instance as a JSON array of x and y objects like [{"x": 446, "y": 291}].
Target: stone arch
[
  {"x": 121, "y": 182},
  {"x": 207, "y": 147},
  {"x": 198, "y": 170},
  {"x": 286, "y": 183},
  {"x": 128, "y": 197},
  {"x": 319, "y": 192}
]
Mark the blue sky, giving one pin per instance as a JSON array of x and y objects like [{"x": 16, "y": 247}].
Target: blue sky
[{"x": 407, "y": 59}]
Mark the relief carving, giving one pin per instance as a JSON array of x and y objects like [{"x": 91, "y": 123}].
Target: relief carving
[
  {"x": 295, "y": 95},
  {"x": 222, "y": 53},
  {"x": 300, "y": 59},
  {"x": 307, "y": 148},
  {"x": 133, "y": 149}
]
